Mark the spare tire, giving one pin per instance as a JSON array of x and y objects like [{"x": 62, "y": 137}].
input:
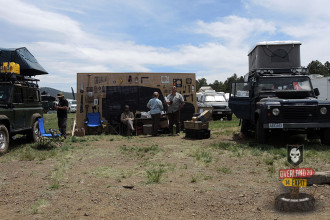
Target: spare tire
[{"x": 304, "y": 202}]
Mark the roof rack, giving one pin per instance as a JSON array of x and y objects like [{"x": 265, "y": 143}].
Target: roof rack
[
  {"x": 278, "y": 72},
  {"x": 19, "y": 79}
]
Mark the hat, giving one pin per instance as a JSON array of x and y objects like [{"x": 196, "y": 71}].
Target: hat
[{"x": 60, "y": 94}]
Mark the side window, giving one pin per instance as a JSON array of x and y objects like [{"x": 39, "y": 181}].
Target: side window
[
  {"x": 240, "y": 89},
  {"x": 36, "y": 95},
  {"x": 18, "y": 94},
  {"x": 33, "y": 95}
]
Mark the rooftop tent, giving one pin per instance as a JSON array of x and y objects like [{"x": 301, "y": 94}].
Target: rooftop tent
[
  {"x": 275, "y": 55},
  {"x": 28, "y": 64}
]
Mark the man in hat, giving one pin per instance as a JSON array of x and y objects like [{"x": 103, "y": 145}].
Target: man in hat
[
  {"x": 175, "y": 103},
  {"x": 62, "y": 113}
]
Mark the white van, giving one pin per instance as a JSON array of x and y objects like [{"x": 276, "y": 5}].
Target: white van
[{"x": 72, "y": 105}]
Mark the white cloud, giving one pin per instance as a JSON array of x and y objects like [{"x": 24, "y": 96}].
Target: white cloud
[
  {"x": 306, "y": 21},
  {"x": 305, "y": 8},
  {"x": 234, "y": 29},
  {"x": 34, "y": 19},
  {"x": 64, "y": 46}
]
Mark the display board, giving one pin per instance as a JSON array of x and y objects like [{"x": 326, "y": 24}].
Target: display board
[{"x": 108, "y": 93}]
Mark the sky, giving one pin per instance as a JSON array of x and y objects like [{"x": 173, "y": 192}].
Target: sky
[{"x": 208, "y": 37}]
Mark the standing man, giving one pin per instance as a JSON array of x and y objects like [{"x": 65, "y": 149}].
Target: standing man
[
  {"x": 175, "y": 103},
  {"x": 62, "y": 113},
  {"x": 155, "y": 106},
  {"x": 127, "y": 118}
]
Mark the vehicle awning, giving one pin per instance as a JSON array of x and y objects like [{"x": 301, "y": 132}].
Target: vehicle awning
[{"x": 28, "y": 64}]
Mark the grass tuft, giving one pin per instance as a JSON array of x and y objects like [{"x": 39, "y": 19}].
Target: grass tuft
[
  {"x": 38, "y": 205},
  {"x": 154, "y": 175},
  {"x": 203, "y": 156},
  {"x": 224, "y": 170}
]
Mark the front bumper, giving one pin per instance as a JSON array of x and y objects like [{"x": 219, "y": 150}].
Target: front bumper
[
  {"x": 217, "y": 112},
  {"x": 296, "y": 125}
]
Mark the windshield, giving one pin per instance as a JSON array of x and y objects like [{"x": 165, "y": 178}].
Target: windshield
[
  {"x": 284, "y": 84},
  {"x": 74, "y": 102},
  {"x": 215, "y": 98},
  {"x": 5, "y": 93}
]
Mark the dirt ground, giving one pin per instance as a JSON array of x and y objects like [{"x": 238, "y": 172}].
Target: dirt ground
[{"x": 143, "y": 177}]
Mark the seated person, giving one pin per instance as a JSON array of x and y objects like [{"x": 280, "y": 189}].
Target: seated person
[{"x": 127, "y": 118}]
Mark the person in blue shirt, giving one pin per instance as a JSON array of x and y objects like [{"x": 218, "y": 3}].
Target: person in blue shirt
[{"x": 155, "y": 106}]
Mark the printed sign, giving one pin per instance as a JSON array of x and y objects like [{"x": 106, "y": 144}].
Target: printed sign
[
  {"x": 295, "y": 182},
  {"x": 295, "y": 154},
  {"x": 296, "y": 173},
  {"x": 165, "y": 79},
  {"x": 177, "y": 83}
]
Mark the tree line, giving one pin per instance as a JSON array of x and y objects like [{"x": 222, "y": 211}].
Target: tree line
[{"x": 314, "y": 67}]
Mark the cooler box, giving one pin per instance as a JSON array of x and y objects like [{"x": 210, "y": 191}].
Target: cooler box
[{"x": 147, "y": 129}]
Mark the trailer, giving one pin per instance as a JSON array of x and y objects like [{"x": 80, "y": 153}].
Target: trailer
[
  {"x": 323, "y": 84},
  {"x": 108, "y": 93}
]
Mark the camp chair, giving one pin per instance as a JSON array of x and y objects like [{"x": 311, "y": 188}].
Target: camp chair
[
  {"x": 51, "y": 136},
  {"x": 93, "y": 120}
]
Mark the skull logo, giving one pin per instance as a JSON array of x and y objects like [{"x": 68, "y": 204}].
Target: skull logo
[{"x": 295, "y": 155}]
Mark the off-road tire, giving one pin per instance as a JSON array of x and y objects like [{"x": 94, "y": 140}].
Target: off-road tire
[
  {"x": 229, "y": 117},
  {"x": 325, "y": 136},
  {"x": 34, "y": 134},
  {"x": 261, "y": 134},
  {"x": 304, "y": 202},
  {"x": 4, "y": 139}
]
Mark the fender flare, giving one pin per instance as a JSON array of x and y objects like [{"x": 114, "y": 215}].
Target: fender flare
[
  {"x": 34, "y": 117},
  {"x": 5, "y": 119}
]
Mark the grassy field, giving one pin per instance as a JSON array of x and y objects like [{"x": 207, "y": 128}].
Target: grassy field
[{"x": 168, "y": 177}]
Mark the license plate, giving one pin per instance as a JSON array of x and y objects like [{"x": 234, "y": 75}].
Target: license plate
[
  {"x": 275, "y": 125},
  {"x": 219, "y": 113}
]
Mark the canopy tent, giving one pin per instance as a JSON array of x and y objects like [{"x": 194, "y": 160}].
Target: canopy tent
[{"x": 28, "y": 64}]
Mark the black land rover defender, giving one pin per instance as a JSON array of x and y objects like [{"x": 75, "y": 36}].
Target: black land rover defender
[
  {"x": 281, "y": 97},
  {"x": 20, "y": 101}
]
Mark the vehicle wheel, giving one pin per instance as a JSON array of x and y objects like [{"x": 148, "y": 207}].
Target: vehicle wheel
[
  {"x": 261, "y": 135},
  {"x": 4, "y": 139},
  {"x": 304, "y": 202},
  {"x": 34, "y": 134},
  {"x": 325, "y": 136},
  {"x": 229, "y": 117},
  {"x": 215, "y": 118}
]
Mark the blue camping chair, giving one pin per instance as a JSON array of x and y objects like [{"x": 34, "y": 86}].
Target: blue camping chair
[
  {"x": 93, "y": 120},
  {"x": 51, "y": 136}
]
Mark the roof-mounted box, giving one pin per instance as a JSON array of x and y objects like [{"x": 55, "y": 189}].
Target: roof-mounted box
[
  {"x": 275, "y": 55},
  {"x": 29, "y": 65}
]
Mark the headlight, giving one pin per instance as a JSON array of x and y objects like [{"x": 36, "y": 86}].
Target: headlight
[
  {"x": 323, "y": 110},
  {"x": 276, "y": 111}
]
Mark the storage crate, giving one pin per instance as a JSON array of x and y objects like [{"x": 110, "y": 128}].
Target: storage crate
[
  {"x": 147, "y": 129},
  {"x": 196, "y": 125},
  {"x": 198, "y": 134}
]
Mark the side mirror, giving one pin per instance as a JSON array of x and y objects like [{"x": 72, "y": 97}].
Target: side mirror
[{"x": 316, "y": 92}]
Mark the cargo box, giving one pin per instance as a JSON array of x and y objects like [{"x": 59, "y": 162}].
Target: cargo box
[
  {"x": 196, "y": 125},
  {"x": 147, "y": 129},
  {"x": 275, "y": 55},
  {"x": 198, "y": 134}
]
